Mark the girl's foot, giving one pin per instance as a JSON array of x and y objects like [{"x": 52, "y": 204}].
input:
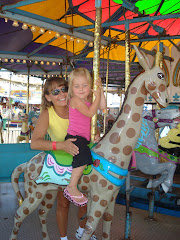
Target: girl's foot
[{"x": 75, "y": 197}]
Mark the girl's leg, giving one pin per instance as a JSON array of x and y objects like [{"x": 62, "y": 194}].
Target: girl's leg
[
  {"x": 72, "y": 187},
  {"x": 62, "y": 213}
]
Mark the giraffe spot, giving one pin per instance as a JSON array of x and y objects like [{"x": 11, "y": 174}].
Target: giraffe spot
[
  {"x": 49, "y": 206},
  {"x": 18, "y": 194},
  {"x": 94, "y": 178},
  {"x": 162, "y": 88},
  {"x": 127, "y": 109},
  {"x": 90, "y": 219},
  {"x": 84, "y": 188},
  {"x": 103, "y": 203},
  {"x": 112, "y": 199},
  {"x": 127, "y": 150},
  {"x": 25, "y": 171},
  {"x": 30, "y": 176},
  {"x": 98, "y": 146},
  {"x": 38, "y": 159},
  {"x": 45, "y": 184},
  {"x": 121, "y": 177},
  {"x": 44, "y": 234},
  {"x": 136, "y": 117},
  {"x": 86, "y": 179},
  {"x": 49, "y": 196},
  {"x": 103, "y": 183},
  {"x": 35, "y": 186},
  {"x": 30, "y": 184},
  {"x": 17, "y": 216},
  {"x": 115, "y": 150},
  {"x": 39, "y": 169},
  {"x": 112, "y": 159},
  {"x": 31, "y": 200},
  {"x": 43, "y": 221},
  {"x": 139, "y": 101},
  {"x": 88, "y": 230},
  {"x": 110, "y": 187},
  {"x": 143, "y": 90},
  {"x": 155, "y": 95},
  {"x": 26, "y": 194},
  {"x": 32, "y": 167},
  {"x": 19, "y": 169},
  {"x": 120, "y": 123},
  {"x": 133, "y": 90},
  {"x": 43, "y": 203},
  {"x": 16, "y": 180},
  {"x": 130, "y": 133},
  {"x": 151, "y": 86},
  {"x": 95, "y": 198},
  {"x": 41, "y": 212},
  {"x": 25, "y": 210},
  {"x": 18, "y": 224},
  {"x": 114, "y": 138},
  {"x": 30, "y": 190},
  {"x": 79, "y": 182},
  {"x": 38, "y": 195},
  {"x": 105, "y": 235},
  {"x": 97, "y": 213},
  {"x": 107, "y": 217},
  {"x": 101, "y": 154},
  {"x": 15, "y": 232},
  {"x": 122, "y": 164}
]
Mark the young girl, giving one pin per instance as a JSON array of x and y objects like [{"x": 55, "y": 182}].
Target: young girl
[{"x": 80, "y": 112}]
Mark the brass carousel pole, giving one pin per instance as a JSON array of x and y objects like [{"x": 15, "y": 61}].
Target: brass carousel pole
[
  {"x": 27, "y": 97},
  {"x": 96, "y": 62},
  {"x": 9, "y": 104},
  {"x": 127, "y": 82}
]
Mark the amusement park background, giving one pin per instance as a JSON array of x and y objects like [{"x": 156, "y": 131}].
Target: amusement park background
[{"x": 40, "y": 39}]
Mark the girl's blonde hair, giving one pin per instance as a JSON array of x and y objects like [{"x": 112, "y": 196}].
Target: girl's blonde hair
[
  {"x": 50, "y": 84},
  {"x": 75, "y": 73}
]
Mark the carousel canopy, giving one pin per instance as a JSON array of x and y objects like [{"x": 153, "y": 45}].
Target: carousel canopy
[{"x": 51, "y": 37}]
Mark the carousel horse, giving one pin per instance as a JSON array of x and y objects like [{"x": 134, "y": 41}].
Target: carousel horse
[
  {"x": 146, "y": 152},
  {"x": 111, "y": 160},
  {"x": 24, "y": 135},
  {"x": 1, "y": 129}
]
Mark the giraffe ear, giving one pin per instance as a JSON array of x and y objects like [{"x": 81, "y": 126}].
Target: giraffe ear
[{"x": 143, "y": 59}]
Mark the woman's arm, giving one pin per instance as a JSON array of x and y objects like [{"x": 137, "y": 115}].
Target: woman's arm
[{"x": 38, "y": 142}]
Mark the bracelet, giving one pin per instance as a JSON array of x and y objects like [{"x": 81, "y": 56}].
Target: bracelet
[{"x": 54, "y": 145}]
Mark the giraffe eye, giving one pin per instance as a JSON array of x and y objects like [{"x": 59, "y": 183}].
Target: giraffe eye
[{"x": 160, "y": 76}]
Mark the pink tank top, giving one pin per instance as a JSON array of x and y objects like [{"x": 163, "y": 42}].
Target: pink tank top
[{"x": 79, "y": 124}]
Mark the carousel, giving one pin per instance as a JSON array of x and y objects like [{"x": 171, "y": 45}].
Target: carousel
[{"x": 133, "y": 185}]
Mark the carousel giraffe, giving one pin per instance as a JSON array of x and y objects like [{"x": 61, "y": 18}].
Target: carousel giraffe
[
  {"x": 24, "y": 134},
  {"x": 111, "y": 160}
]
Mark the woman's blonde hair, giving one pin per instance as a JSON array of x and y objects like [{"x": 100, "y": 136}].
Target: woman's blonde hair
[
  {"x": 75, "y": 73},
  {"x": 50, "y": 84}
]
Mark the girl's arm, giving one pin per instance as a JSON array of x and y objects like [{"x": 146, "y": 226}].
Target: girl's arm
[
  {"x": 102, "y": 104},
  {"x": 78, "y": 103},
  {"x": 38, "y": 142}
]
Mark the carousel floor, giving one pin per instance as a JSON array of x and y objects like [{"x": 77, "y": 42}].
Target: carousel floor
[{"x": 165, "y": 227}]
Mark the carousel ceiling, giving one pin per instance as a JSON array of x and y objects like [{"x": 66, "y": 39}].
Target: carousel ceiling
[{"x": 51, "y": 37}]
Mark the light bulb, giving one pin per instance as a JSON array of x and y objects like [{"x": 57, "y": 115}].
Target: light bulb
[
  {"x": 47, "y": 63},
  {"x": 24, "y": 26},
  {"x": 12, "y": 60},
  {"x": 36, "y": 62},
  {"x": 15, "y": 24},
  {"x": 6, "y": 60},
  {"x": 42, "y": 63},
  {"x": 53, "y": 63},
  {"x": 71, "y": 38},
  {"x": 90, "y": 44},
  {"x": 18, "y": 61},
  {"x": 78, "y": 40},
  {"x": 33, "y": 28},
  {"x": 64, "y": 36},
  {"x": 57, "y": 35},
  {"x": 6, "y": 19},
  {"x": 41, "y": 30},
  {"x": 84, "y": 42},
  {"x": 24, "y": 61}
]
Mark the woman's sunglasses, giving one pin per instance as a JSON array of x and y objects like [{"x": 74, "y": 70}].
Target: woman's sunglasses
[{"x": 57, "y": 91}]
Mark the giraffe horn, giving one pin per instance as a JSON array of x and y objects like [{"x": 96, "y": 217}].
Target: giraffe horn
[{"x": 158, "y": 59}]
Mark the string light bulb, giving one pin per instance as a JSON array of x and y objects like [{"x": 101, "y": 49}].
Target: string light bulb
[
  {"x": 41, "y": 30},
  {"x": 12, "y": 60},
  {"x": 24, "y": 61},
  {"x": 71, "y": 38},
  {"x": 36, "y": 62},
  {"x": 6, "y": 60},
  {"x": 6, "y": 19},
  {"x": 85, "y": 42},
  {"x": 33, "y": 28},
  {"x": 78, "y": 40},
  {"x": 49, "y": 31},
  {"x": 24, "y": 26},
  {"x": 15, "y": 24},
  {"x": 64, "y": 36},
  {"x": 18, "y": 61},
  {"x": 90, "y": 44},
  {"x": 47, "y": 63},
  {"x": 102, "y": 46},
  {"x": 57, "y": 35},
  {"x": 42, "y": 62},
  {"x": 53, "y": 63}
]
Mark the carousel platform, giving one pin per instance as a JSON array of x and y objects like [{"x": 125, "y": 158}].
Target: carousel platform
[{"x": 164, "y": 227}]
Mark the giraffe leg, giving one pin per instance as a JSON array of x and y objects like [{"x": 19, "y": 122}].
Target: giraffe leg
[
  {"x": 97, "y": 210},
  {"x": 27, "y": 207},
  {"x": 108, "y": 216},
  {"x": 44, "y": 208}
]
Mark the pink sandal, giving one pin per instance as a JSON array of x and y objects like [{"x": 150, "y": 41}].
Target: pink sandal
[{"x": 72, "y": 198}]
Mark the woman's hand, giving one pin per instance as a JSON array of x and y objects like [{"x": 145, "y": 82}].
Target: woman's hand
[{"x": 70, "y": 147}]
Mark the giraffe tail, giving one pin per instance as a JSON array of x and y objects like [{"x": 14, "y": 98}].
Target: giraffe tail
[{"x": 15, "y": 180}]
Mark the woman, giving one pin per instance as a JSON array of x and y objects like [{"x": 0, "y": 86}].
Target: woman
[{"x": 54, "y": 120}]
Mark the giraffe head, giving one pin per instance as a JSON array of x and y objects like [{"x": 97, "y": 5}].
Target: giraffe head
[{"x": 155, "y": 83}]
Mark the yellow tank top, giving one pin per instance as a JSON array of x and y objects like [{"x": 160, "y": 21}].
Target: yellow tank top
[{"x": 57, "y": 129}]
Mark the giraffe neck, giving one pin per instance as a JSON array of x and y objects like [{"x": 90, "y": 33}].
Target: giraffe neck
[{"x": 119, "y": 142}]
